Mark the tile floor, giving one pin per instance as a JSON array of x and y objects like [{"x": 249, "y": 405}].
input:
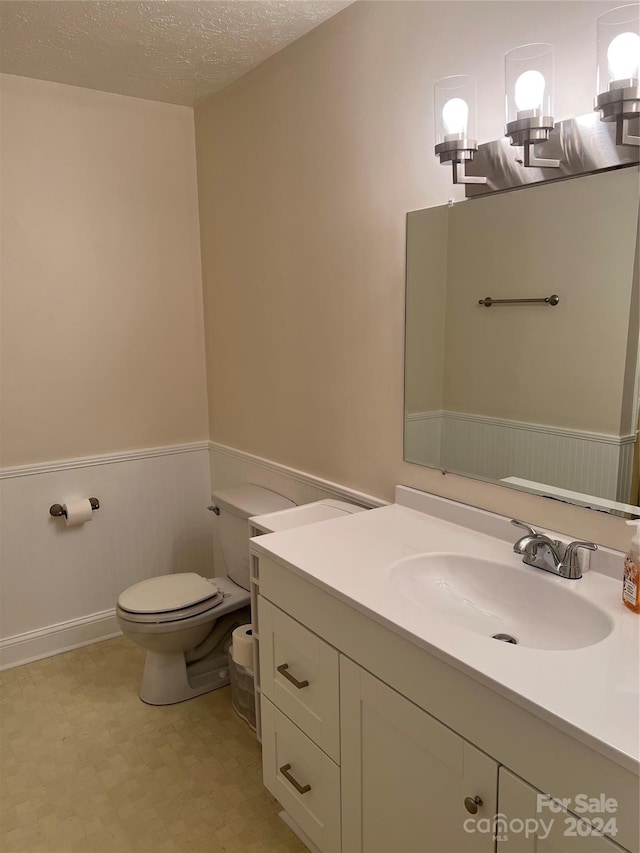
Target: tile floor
[{"x": 86, "y": 766}]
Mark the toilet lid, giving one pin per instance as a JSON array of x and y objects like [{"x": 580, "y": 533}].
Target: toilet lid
[{"x": 168, "y": 592}]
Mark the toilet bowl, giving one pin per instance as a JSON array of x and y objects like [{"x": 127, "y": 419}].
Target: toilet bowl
[
  {"x": 186, "y": 643},
  {"x": 185, "y": 621}
]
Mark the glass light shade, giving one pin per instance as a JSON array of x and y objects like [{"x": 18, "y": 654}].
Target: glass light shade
[
  {"x": 618, "y": 49},
  {"x": 455, "y": 108},
  {"x": 529, "y": 81}
]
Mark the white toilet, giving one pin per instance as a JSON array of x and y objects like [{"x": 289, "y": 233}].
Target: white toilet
[{"x": 185, "y": 621}]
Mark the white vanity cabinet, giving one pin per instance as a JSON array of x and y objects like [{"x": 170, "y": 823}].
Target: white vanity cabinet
[
  {"x": 386, "y": 747},
  {"x": 332, "y": 734},
  {"x": 405, "y": 776},
  {"x": 300, "y": 704}
]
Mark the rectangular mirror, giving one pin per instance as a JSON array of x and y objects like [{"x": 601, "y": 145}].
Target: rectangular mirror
[{"x": 535, "y": 396}]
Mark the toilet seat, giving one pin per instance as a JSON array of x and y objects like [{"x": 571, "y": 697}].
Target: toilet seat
[
  {"x": 169, "y": 598},
  {"x": 226, "y": 597},
  {"x": 172, "y": 615}
]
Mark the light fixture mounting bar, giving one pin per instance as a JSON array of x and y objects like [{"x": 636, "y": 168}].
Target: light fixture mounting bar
[{"x": 583, "y": 145}]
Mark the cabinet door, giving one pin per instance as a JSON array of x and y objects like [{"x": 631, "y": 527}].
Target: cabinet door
[
  {"x": 405, "y": 776},
  {"x": 523, "y": 827}
]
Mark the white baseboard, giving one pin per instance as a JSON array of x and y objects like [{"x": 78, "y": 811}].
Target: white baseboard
[{"x": 55, "y": 639}]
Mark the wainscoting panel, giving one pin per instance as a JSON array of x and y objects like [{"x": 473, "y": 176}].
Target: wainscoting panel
[
  {"x": 494, "y": 448},
  {"x": 58, "y": 584},
  {"x": 625, "y": 470},
  {"x": 423, "y": 438},
  {"x": 232, "y": 467}
]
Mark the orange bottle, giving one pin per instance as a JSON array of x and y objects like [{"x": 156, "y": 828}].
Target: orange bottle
[{"x": 631, "y": 578}]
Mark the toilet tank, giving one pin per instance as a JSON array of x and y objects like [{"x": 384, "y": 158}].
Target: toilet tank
[{"x": 235, "y": 507}]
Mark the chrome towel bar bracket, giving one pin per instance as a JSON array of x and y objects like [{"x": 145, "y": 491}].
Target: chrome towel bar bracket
[{"x": 545, "y": 300}]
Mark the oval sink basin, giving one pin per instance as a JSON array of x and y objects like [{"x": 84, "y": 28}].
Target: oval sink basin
[{"x": 533, "y": 607}]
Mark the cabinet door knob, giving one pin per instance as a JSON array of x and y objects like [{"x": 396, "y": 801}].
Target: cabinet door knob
[
  {"x": 282, "y": 669},
  {"x": 471, "y": 805},
  {"x": 301, "y": 789}
]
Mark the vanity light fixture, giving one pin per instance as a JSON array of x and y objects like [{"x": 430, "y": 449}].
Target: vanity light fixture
[
  {"x": 606, "y": 138},
  {"x": 455, "y": 120},
  {"x": 529, "y": 99},
  {"x": 618, "y": 70}
]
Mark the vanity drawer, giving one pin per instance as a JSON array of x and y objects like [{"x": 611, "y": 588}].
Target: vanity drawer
[
  {"x": 300, "y": 674},
  {"x": 302, "y": 778}
]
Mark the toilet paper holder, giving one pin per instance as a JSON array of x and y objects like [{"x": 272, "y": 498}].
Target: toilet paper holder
[{"x": 58, "y": 511}]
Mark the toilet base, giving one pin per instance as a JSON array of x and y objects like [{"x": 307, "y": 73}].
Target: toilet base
[{"x": 168, "y": 679}]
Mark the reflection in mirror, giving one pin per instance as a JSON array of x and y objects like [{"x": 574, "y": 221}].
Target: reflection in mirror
[{"x": 537, "y": 397}]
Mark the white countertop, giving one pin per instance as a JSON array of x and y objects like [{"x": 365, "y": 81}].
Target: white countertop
[{"x": 591, "y": 693}]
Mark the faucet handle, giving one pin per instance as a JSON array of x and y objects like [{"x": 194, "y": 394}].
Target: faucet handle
[
  {"x": 570, "y": 566},
  {"x": 530, "y": 530}
]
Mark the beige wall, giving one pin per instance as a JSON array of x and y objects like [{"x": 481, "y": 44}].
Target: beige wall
[
  {"x": 102, "y": 333},
  {"x": 307, "y": 167}
]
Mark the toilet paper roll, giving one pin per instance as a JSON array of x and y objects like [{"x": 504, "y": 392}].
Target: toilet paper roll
[
  {"x": 78, "y": 512},
  {"x": 242, "y": 646}
]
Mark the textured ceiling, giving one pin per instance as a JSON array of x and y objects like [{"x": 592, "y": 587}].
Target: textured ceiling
[{"x": 178, "y": 51}]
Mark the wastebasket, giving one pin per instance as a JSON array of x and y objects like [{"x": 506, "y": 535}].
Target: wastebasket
[{"x": 243, "y": 697}]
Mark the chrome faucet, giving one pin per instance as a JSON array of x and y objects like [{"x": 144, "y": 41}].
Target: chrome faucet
[{"x": 550, "y": 555}]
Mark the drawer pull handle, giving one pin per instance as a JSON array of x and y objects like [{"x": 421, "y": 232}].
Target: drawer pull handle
[
  {"x": 471, "y": 805},
  {"x": 283, "y": 670},
  {"x": 301, "y": 789}
]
